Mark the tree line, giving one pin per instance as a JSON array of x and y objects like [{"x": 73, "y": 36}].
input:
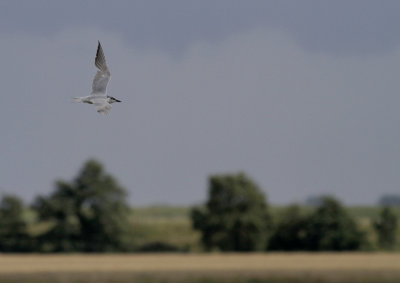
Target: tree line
[
  {"x": 91, "y": 214},
  {"x": 236, "y": 217}
]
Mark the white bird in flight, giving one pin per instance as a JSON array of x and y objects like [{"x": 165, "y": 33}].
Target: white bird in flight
[{"x": 99, "y": 96}]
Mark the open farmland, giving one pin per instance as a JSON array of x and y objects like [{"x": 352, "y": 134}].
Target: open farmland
[
  {"x": 172, "y": 224},
  {"x": 271, "y": 267}
]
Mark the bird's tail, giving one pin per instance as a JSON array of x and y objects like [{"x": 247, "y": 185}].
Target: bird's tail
[{"x": 78, "y": 99}]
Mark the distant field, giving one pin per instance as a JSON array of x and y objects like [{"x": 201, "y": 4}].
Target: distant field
[
  {"x": 162, "y": 211},
  {"x": 172, "y": 224},
  {"x": 276, "y": 267},
  {"x": 166, "y": 224},
  {"x": 165, "y": 211}
]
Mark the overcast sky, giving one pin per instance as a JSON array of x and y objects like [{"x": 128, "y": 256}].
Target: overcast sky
[{"x": 303, "y": 96}]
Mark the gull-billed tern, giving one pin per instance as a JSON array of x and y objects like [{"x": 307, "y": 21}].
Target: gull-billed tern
[{"x": 99, "y": 97}]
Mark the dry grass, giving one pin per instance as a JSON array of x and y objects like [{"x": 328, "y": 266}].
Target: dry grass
[
  {"x": 200, "y": 262},
  {"x": 277, "y": 267}
]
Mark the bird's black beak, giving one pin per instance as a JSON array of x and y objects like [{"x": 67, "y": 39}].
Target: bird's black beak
[{"x": 117, "y": 100}]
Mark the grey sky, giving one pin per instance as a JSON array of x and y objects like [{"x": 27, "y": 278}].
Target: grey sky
[{"x": 301, "y": 95}]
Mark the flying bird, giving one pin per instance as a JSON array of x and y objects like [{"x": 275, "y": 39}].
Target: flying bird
[{"x": 99, "y": 97}]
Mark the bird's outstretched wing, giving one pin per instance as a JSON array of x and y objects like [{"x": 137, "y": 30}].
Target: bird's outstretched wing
[
  {"x": 100, "y": 81},
  {"x": 101, "y": 104}
]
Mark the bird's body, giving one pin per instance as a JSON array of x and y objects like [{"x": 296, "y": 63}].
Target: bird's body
[{"x": 99, "y": 97}]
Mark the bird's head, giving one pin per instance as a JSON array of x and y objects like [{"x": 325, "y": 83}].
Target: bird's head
[{"x": 113, "y": 99}]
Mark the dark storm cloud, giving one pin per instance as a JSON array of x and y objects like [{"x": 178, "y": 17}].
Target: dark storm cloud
[{"x": 338, "y": 27}]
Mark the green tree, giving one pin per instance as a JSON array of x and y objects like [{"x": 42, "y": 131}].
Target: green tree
[
  {"x": 89, "y": 214},
  {"x": 386, "y": 228},
  {"x": 235, "y": 217},
  {"x": 290, "y": 232},
  {"x": 14, "y": 236},
  {"x": 330, "y": 227}
]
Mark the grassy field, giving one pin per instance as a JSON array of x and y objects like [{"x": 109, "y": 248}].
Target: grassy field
[
  {"x": 173, "y": 212},
  {"x": 172, "y": 225},
  {"x": 277, "y": 267},
  {"x": 167, "y": 224}
]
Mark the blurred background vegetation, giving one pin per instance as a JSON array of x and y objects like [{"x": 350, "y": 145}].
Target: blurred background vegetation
[{"x": 91, "y": 214}]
